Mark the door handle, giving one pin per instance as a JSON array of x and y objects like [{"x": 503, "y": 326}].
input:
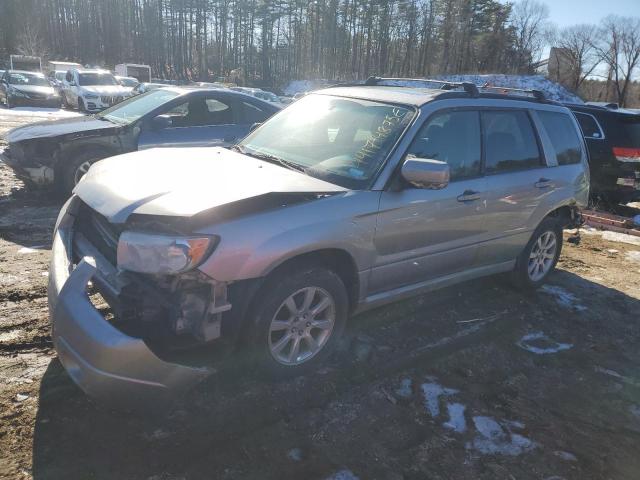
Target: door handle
[
  {"x": 543, "y": 183},
  {"x": 469, "y": 196}
]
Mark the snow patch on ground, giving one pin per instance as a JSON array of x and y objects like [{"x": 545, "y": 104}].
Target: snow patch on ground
[
  {"x": 492, "y": 438},
  {"x": 456, "y": 422},
  {"x": 37, "y": 112},
  {"x": 343, "y": 475},
  {"x": 563, "y": 297},
  {"x": 10, "y": 335},
  {"x": 620, "y": 237},
  {"x": 633, "y": 255},
  {"x": 527, "y": 343},
  {"x": 432, "y": 393}
]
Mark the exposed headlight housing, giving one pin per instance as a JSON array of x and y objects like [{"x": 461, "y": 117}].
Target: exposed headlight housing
[{"x": 162, "y": 254}]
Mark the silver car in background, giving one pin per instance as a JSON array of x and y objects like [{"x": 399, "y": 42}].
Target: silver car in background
[{"x": 350, "y": 198}]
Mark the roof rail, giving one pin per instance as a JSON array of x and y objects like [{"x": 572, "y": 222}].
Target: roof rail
[
  {"x": 537, "y": 94},
  {"x": 468, "y": 87},
  {"x": 471, "y": 88}
]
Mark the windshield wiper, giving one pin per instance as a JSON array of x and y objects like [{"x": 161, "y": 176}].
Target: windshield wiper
[{"x": 271, "y": 159}]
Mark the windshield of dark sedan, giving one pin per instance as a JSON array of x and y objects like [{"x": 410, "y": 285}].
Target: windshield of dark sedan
[
  {"x": 90, "y": 79},
  {"x": 133, "y": 108},
  {"x": 30, "y": 79},
  {"x": 341, "y": 140}
]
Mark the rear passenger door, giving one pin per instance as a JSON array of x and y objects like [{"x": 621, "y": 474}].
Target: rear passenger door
[{"x": 521, "y": 181}]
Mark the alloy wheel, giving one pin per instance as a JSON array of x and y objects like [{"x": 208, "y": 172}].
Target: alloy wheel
[
  {"x": 542, "y": 256},
  {"x": 80, "y": 171},
  {"x": 302, "y": 326}
]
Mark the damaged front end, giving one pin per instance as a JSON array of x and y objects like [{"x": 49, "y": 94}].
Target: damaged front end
[
  {"x": 134, "y": 356},
  {"x": 30, "y": 160}
]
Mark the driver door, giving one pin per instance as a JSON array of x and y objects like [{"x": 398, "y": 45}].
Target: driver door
[{"x": 424, "y": 234}]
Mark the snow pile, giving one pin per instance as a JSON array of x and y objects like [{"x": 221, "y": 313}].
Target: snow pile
[
  {"x": 552, "y": 90},
  {"x": 45, "y": 113}
]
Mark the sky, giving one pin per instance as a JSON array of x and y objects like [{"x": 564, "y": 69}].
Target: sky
[{"x": 570, "y": 12}]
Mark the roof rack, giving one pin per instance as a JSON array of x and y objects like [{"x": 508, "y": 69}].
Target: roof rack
[
  {"x": 471, "y": 88},
  {"x": 468, "y": 87}
]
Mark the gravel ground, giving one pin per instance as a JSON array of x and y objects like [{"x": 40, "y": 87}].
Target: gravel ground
[{"x": 477, "y": 381}]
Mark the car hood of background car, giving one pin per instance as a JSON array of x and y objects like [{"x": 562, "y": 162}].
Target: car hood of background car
[
  {"x": 34, "y": 89},
  {"x": 55, "y": 128},
  {"x": 106, "y": 89},
  {"x": 182, "y": 182}
]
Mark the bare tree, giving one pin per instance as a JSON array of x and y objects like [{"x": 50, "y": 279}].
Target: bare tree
[
  {"x": 578, "y": 44},
  {"x": 31, "y": 43},
  {"x": 529, "y": 20},
  {"x": 619, "y": 46}
]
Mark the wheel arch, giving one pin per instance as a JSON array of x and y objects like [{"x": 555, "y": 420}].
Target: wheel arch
[{"x": 337, "y": 260}]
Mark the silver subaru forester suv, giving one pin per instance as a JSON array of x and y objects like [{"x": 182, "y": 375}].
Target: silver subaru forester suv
[{"x": 350, "y": 198}]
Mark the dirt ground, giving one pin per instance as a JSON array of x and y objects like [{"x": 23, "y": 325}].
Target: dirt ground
[{"x": 477, "y": 381}]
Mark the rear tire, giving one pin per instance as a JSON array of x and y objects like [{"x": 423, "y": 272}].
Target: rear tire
[
  {"x": 540, "y": 256},
  {"x": 297, "y": 320}
]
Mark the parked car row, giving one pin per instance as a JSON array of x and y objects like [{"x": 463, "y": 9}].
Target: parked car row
[{"x": 59, "y": 153}]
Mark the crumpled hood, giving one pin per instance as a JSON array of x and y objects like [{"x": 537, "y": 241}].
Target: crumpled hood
[
  {"x": 56, "y": 128},
  {"x": 106, "y": 90},
  {"x": 185, "y": 181}
]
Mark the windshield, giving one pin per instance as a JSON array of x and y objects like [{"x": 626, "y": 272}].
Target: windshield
[
  {"x": 89, "y": 79},
  {"x": 28, "y": 79},
  {"x": 133, "y": 108},
  {"x": 341, "y": 140}
]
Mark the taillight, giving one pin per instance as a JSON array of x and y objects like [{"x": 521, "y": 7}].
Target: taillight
[{"x": 627, "y": 155}]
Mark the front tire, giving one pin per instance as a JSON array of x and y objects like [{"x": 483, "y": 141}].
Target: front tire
[
  {"x": 76, "y": 169},
  {"x": 81, "y": 106},
  {"x": 298, "y": 318},
  {"x": 540, "y": 256},
  {"x": 8, "y": 102}
]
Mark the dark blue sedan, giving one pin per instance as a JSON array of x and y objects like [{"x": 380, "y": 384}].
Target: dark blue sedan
[{"x": 60, "y": 152}]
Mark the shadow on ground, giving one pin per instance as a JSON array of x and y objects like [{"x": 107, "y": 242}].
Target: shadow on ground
[{"x": 576, "y": 406}]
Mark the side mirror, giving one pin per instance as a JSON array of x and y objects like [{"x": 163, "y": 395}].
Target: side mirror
[
  {"x": 425, "y": 173},
  {"x": 254, "y": 126},
  {"x": 161, "y": 122}
]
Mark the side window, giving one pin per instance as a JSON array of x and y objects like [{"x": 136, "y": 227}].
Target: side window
[
  {"x": 563, "y": 136},
  {"x": 589, "y": 125},
  {"x": 452, "y": 137},
  {"x": 253, "y": 114},
  {"x": 509, "y": 141},
  {"x": 219, "y": 112}
]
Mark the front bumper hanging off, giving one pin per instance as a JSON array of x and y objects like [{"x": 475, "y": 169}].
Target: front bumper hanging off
[{"x": 108, "y": 365}]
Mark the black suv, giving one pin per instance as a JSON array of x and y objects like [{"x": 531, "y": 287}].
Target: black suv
[{"x": 612, "y": 135}]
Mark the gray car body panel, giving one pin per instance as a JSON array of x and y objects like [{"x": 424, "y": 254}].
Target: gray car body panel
[
  {"x": 107, "y": 364},
  {"x": 402, "y": 241}
]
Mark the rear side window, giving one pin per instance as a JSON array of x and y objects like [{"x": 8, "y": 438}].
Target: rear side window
[
  {"x": 563, "y": 136},
  {"x": 452, "y": 137},
  {"x": 509, "y": 141},
  {"x": 253, "y": 114},
  {"x": 589, "y": 125}
]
